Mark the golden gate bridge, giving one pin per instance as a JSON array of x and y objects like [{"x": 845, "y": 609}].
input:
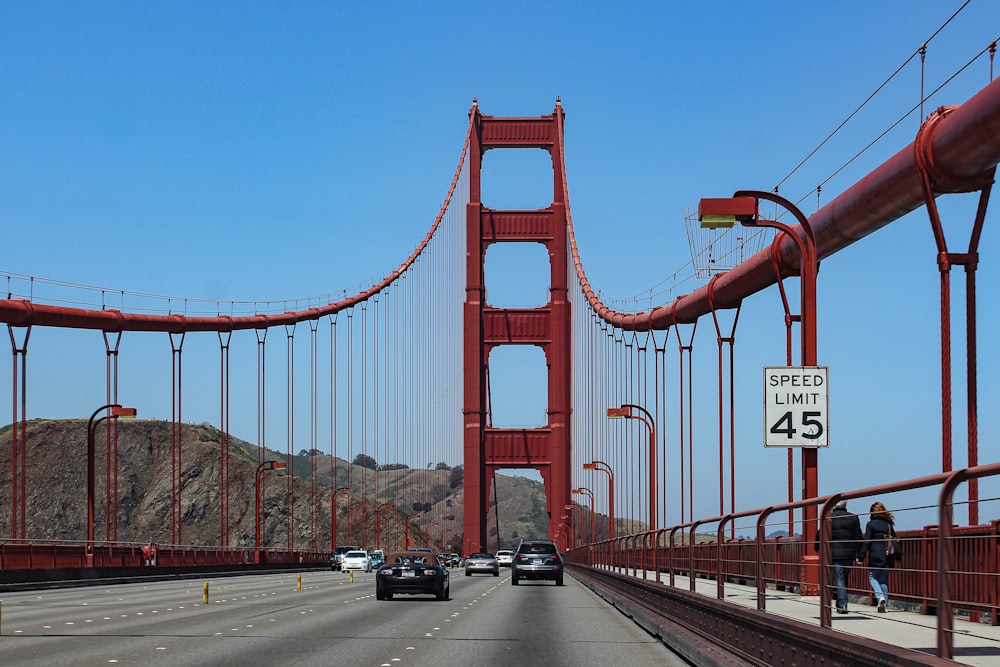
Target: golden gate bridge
[{"x": 400, "y": 371}]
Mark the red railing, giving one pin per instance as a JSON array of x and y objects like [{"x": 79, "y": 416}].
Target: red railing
[
  {"x": 943, "y": 571},
  {"x": 20, "y": 555}
]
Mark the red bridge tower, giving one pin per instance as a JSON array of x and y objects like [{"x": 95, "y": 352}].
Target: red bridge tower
[{"x": 546, "y": 449}]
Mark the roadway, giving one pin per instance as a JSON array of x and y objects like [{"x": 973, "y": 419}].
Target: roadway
[{"x": 267, "y": 620}]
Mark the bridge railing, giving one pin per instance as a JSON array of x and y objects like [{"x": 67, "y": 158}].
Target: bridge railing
[
  {"x": 20, "y": 555},
  {"x": 945, "y": 569}
]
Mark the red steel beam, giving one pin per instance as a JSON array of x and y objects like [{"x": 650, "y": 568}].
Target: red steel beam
[
  {"x": 965, "y": 146},
  {"x": 965, "y": 149},
  {"x": 24, "y": 313}
]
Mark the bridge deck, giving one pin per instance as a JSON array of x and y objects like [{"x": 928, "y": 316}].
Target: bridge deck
[{"x": 975, "y": 643}]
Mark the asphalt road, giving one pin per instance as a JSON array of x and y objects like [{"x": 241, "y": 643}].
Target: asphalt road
[{"x": 266, "y": 620}]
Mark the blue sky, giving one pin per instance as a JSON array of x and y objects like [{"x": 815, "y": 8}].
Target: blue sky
[{"x": 272, "y": 150}]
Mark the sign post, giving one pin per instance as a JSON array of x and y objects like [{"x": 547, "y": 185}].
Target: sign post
[{"x": 796, "y": 406}]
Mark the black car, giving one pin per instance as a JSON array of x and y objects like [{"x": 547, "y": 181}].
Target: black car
[
  {"x": 537, "y": 559},
  {"x": 413, "y": 573}
]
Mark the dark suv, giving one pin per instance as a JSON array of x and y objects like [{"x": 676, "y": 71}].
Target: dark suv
[{"x": 537, "y": 559}]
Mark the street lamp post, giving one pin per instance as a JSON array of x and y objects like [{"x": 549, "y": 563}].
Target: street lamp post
[
  {"x": 406, "y": 529},
  {"x": 574, "y": 526},
  {"x": 333, "y": 516},
  {"x": 744, "y": 206},
  {"x": 590, "y": 494},
  {"x": 266, "y": 465},
  {"x": 378, "y": 522},
  {"x": 114, "y": 412},
  {"x": 604, "y": 467},
  {"x": 627, "y": 410},
  {"x": 428, "y": 532},
  {"x": 565, "y": 531}
]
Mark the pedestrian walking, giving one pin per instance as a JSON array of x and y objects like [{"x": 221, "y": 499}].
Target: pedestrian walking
[
  {"x": 846, "y": 541},
  {"x": 878, "y": 532}
]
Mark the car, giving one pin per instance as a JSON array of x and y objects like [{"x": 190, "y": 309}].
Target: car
[
  {"x": 449, "y": 560},
  {"x": 505, "y": 557},
  {"x": 412, "y": 573},
  {"x": 482, "y": 562},
  {"x": 537, "y": 559},
  {"x": 377, "y": 558},
  {"x": 356, "y": 560},
  {"x": 338, "y": 556}
]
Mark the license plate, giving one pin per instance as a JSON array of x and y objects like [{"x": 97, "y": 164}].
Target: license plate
[
  {"x": 536, "y": 561},
  {"x": 407, "y": 573}
]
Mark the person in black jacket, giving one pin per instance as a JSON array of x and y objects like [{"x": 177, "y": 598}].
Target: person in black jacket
[
  {"x": 845, "y": 545},
  {"x": 880, "y": 524}
]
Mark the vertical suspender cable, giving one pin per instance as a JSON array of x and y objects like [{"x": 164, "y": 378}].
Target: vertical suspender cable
[
  {"x": 224, "y": 341},
  {"x": 681, "y": 416},
  {"x": 350, "y": 423},
  {"x": 177, "y": 346},
  {"x": 621, "y": 460},
  {"x": 261, "y": 394},
  {"x": 660, "y": 398},
  {"x": 376, "y": 377},
  {"x": 19, "y": 445},
  {"x": 625, "y": 467},
  {"x": 394, "y": 390},
  {"x": 111, "y": 513},
  {"x": 290, "y": 434},
  {"x": 313, "y": 435},
  {"x": 364, "y": 424},
  {"x": 644, "y": 387},
  {"x": 334, "y": 481}
]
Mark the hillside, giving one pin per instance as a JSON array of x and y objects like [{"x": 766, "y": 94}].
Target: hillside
[{"x": 56, "y": 470}]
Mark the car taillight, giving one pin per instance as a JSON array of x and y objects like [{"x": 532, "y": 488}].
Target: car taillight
[{"x": 429, "y": 572}]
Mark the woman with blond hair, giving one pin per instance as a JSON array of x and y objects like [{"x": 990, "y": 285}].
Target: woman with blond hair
[{"x": 880, "y": 526}]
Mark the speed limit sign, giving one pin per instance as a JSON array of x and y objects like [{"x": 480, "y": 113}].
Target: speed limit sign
[{"x": 796, "y": 406}]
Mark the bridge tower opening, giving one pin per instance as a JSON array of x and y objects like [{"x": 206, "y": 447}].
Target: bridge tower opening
[{"x": 487, "y": 448}]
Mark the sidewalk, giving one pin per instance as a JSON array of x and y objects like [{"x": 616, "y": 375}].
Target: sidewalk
[{"x": 975, "y": 643}]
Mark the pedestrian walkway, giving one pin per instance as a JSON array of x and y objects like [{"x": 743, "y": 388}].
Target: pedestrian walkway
[{"x": 975, "y": 644}]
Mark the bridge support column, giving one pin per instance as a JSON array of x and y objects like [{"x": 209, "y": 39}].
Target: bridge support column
[{"x": 547, "y": 448}]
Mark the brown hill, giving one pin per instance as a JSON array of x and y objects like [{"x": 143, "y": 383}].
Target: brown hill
[{"x": 56, "y": 470}]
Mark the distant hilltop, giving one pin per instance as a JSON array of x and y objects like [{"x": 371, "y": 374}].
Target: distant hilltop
[{"x": 56, "y": 470}]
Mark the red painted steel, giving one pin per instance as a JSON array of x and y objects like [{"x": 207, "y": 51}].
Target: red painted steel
[
  {"x": 519, "y": 225},
  {"x": 943, "y": 570},
  {"x": 517, "y": 448},
  {"x": 931, "y": 178},
  {"x": 734, "y": 206},
  {"x": 19, "y": 437},
  {"x": 487, "y": 449},
  {"x": 23, "y": 313},
  {"x": 516, "y": 325},
  {"x": 965, "y": 146}
]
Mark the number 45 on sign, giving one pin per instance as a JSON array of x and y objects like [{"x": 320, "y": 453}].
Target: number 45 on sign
[{"x": 796, "y": 406}]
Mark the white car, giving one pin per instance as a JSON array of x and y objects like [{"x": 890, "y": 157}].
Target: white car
[
  {"x": 356, "y": 560},
  {"x": 505, "y": 557}
]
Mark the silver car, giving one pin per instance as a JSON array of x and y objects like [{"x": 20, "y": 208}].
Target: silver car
[
  {"x": 482, "y": 562},
  {"x": 537, "y": 559},
  {"x": 505, "y": 557}
]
